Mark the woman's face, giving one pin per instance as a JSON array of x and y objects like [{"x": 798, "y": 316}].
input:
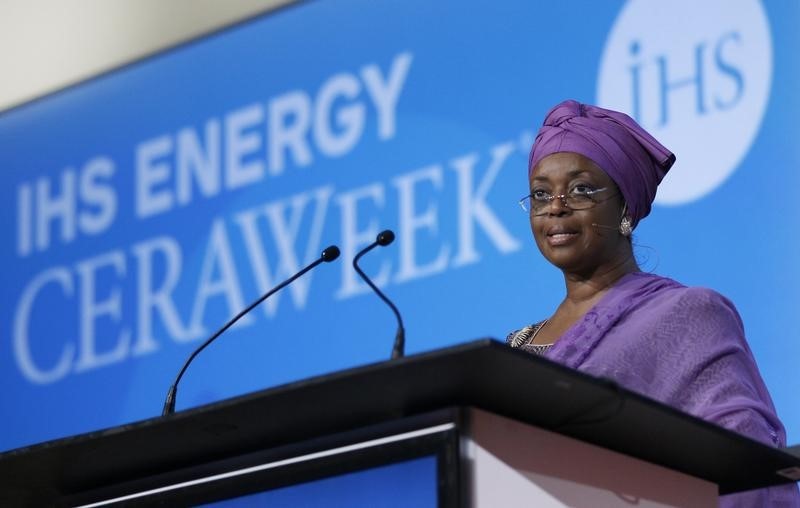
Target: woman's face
[{"x": 575, "y": 240}]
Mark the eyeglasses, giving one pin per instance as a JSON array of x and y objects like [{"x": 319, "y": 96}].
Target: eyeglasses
[{"x": 579, "y": 198}]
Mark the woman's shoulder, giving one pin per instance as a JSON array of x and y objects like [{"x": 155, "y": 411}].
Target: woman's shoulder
[
  {"x": 668, "y": 301},
  {"x": 664, "y": 288}
]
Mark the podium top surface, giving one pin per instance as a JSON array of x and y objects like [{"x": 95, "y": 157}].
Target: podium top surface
[{"x": 484, "y": 374}]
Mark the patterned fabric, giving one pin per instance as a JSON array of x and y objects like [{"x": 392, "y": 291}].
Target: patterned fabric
[
  {"x": 537, "y": 349},
  {"x": 684, "y": 347},
  {"x": 523, "y": 339}
]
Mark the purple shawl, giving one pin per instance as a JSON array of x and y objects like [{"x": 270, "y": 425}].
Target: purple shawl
[{"x": 684, "y": 347}]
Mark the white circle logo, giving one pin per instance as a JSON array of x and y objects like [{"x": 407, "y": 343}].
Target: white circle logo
[{"x": 697, "y": 76}]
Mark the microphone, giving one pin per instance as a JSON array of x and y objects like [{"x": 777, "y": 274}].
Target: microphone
[
  {"x": 328, "y": 255},
  {"x": 384, "y": 238},
  {"x": 613, "y": 228},
  {"x": 625, "y": 229}
]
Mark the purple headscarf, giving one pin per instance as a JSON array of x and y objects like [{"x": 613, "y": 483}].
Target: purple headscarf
[{"x": 633, "y": 158}]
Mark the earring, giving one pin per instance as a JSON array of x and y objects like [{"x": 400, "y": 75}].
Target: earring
[{"x": 625, "y": 227}]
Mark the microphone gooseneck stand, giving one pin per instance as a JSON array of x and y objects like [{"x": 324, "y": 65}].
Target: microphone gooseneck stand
[
  {"x": 384, "y": 238},
  {"x": 328, "y": 255}
]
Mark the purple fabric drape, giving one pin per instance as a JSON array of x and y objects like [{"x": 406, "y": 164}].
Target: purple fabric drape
[{"x": 684, "y": 347}]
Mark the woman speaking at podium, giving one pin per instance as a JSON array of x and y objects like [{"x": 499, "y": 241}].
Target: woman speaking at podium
[{"x": 593, "y": 175}]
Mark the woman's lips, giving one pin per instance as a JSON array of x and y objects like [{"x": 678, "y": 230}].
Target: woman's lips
[{"x": 560, "y": 236}]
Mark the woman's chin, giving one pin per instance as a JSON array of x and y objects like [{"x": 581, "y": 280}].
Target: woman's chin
[{"x": 563, "y": 259}]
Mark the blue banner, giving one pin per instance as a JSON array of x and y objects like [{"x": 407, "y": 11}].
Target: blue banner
[
  {"x": 144, "y": 208},
  {"x": 408, "y": 483}
]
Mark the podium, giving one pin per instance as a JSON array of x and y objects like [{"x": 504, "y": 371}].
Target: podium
[{"x": 478, "y": 424}]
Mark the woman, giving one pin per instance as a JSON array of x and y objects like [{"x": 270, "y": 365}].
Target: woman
[{"x": 593, "y": 175}]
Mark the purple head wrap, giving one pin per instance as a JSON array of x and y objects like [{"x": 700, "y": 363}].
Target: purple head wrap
[{"x": 633, "y": 158}]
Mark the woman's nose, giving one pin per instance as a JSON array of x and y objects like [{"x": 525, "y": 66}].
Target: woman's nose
[{"x": 558, "y": 205}]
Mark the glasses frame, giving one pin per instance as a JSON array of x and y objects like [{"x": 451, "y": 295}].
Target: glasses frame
[{"x": 563, "y": 198}]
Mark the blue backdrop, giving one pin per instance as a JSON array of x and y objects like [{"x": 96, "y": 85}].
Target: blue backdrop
[{"x": 145, "y": 207}]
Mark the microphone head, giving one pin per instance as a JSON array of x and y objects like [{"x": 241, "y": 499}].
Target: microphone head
[
  {"x": 385, "y": 237},
  {"x": 330, "y": 254}
]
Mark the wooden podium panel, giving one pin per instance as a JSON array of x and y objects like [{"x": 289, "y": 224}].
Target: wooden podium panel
[
  {"x": 513, "y": 464},
  {"x": 348, "y": 406}
]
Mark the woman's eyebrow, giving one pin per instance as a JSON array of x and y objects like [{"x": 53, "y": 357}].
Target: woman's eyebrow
[
  {"x": 576, "y": 172},
  {"x": 571, "y": 174}
]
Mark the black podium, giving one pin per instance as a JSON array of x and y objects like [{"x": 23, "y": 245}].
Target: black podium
[{"x": 462, "y": 425}]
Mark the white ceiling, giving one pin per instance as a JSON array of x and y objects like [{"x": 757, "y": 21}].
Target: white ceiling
[{"x": 48, "y": 44}]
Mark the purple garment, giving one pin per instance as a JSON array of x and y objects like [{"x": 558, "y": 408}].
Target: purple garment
[
  {"x": 633, "y": 158},
  {"x": 684, "y": 347}
]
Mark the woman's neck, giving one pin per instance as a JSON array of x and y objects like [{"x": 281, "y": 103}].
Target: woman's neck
[{"x": 583, "y": 288}]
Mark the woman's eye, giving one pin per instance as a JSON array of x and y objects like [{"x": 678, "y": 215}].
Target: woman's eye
[
  {"x": 582, "y": 190},
  {"x": 540, "y": 195}
]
